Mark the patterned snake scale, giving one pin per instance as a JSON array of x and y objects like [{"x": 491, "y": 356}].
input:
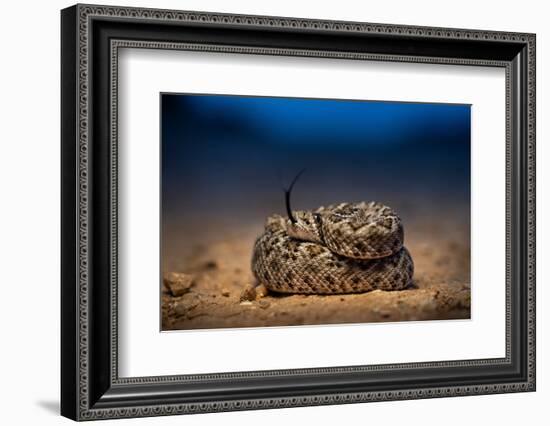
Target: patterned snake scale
[{"x": 345, "y": 248}]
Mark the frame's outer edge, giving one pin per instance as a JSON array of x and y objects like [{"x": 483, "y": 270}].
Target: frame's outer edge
[
  {"x": 531, "y": 114},
  {"x": 75, "y": 204},
  {"x": 69, "y": 190},
  {"x": 231, "y": 19}
]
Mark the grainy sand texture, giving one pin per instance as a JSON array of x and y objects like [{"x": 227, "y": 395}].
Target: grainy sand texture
[{"x": 208, "y": 282}]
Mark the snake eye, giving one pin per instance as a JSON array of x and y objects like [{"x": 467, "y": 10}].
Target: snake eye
[{"x": 317, "y": 218}]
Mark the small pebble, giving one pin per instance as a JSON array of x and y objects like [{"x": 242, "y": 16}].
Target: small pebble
[
  {"x": 264, "y": 304},
  {"x": 178, "y": 283},
  {"x": 248, "y": 294},
  {"x": 225, "y": 292},
  {"x": 261, "y": 291}
]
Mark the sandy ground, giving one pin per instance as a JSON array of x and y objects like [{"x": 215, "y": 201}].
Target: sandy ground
[{"x": 218, "y": 272}]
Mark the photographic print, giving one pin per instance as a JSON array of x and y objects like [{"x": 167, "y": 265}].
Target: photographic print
[{"x": 280, "y": 211}]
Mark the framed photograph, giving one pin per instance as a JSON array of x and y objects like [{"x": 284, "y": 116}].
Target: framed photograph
[{"x": 263, "y": 212}]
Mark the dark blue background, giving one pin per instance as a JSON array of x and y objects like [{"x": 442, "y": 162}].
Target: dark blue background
[{"x": 227, "y": 156}]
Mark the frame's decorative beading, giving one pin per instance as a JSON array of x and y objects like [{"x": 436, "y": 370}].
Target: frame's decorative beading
[{"x": 86, "y": 13}]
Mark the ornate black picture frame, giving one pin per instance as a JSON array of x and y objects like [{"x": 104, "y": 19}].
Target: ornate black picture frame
[{"x": 91, "y": 387}]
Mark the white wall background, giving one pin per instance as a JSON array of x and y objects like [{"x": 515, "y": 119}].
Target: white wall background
[{"x": 29, "y": 211}]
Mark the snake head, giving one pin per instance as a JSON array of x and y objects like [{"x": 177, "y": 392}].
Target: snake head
[
  {"x": 305, "y": 226},
  {"x": 301, "y": 225}
]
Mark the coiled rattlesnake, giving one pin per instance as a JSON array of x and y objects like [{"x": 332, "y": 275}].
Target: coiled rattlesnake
[{"x": 345, "y": 248}]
